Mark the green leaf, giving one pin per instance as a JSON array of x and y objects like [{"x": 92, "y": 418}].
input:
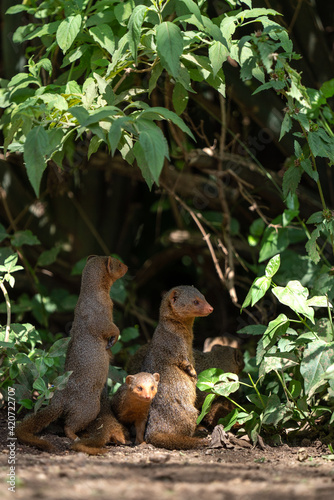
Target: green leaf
[
  {"x": 155, "y": 74},
  {"x": 307, "y": 167},
  {"x": 169, "y": 46},
  {"x": 48, "y": 257},
  {"x": 15, "y": 9},
  {"x": 134, "y": 28},
  {"x": 10, "y": 264},
  {"x": 311, "y": 246},
  {"x": 253, "y": 329},
  {"x": 155, "y": 149},
  {"x": 292, "y": 202},
  {"x": 123, "y": 11},
  {"x": 274, "y": 411},
  {"x": 142, "y": 164},
  {"x": 129, "y": 333},
  {"x": 295, "y": 388},
  {"x": 229, "y": 382},
  {"x": 192, "y": 7},
  {"x": 45, "y": 29},
  {"x": 54, "y": 101},
  {"x": 257, "y": 291},
  {"x": 327, "y": 88},
  {"x": 275, "y": 328},
  {"x": 294, "y": 295},
  {"x": 274, "y": 241},
  {"x": 206, "y": 407},
  {"x": 168, "y": 115},
  {"x": 228, "y": 27},
  {"x": 94, "y": 145},
  {"x": 86, "y": 118},
  {"x": 319, "y": 301},
  {"x": 3, "y": 233},
  {"x": 217, "y": 54},
  {"x": 317, "y": 145},
  {"x": 291, "y": 179},
  {"x": 257, "y": 227},
  {"x": 35, "y": 147},
  {"x": 276, "y": 85},
  {"x": 288, "y": 215},
  {"x": 258, "y": 401},
  {"x": 257, "y": 12},
  {"x": 273, "y": 266},
  {"x": 286, "y": 125},
  {"x": 208, "y": 378},
  {"x": 217, "y": 82},
  {"x": 67, "y": 31},
  {"x": 180, "y": 98},
  {"x": 24, "y": 238},
  {"x": 315, "y": 218},
  {"x": 115, "y": 133},
  {"x": 104, "y": 36},
  {"x": 318, "y": 357},
  {"x": 59, "y": 348}
]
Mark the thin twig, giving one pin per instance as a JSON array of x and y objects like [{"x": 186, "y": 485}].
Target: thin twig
[
  {"x": 229, "y": 261},
  {"x": 295, "y": 15},
  {"x": 89, "y": 223},
  {"x": 121, "y": 80},
  {"x": 206, "y": 236}
]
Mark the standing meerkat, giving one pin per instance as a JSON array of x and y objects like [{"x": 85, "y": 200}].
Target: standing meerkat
[
  {"x": 93, "y": 331},
  {"x": 172, "y": 417}
]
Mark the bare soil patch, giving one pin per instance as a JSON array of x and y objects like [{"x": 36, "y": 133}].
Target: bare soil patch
[{"x": 147, "y": 473}]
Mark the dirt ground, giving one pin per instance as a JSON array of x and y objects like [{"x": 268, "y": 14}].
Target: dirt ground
[{"x": 147, "y": 473}]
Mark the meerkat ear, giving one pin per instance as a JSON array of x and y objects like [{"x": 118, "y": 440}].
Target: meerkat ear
[
  {"x": 109, "y": 265},
  {"x": 174, "y": 295},
  {"x": 129, "y": 379},
  {"x": 90, "y": 257},
  {"x": 156, "y": 377}
]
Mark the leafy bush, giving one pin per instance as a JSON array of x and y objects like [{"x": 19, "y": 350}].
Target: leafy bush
[
  {"x": 107, "y": 45},
  {"x": 22, "y": 364},
  {"x": 295, "y": 359}
]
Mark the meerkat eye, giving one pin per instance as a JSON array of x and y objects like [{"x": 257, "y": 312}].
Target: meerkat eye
[
  {"x": 140, "y": 388},
  {"x": 152, "y": 388},
  {"x": 196, "y": 302}
]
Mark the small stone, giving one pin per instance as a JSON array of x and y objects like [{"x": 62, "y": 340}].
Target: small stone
[
  {"x": 302, "y": 455},
  {"x": 159, "y": 458}
]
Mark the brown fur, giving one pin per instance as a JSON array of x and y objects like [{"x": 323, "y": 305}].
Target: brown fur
[
  {"x": 106, "y": 428},
  {"x": 132, "y": 401},
  {"x": 225, "y": 357},
  {"x": 87, "y": 356},
  {"x": 172, "y": 417}
]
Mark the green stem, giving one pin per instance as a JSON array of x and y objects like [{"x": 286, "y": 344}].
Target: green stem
[
  {"x": 70, "y": 72},
  {"x": 304, "y": 322},
  {"x": 289, "y": 397},
  {"x": 330, "y": 316},
  {"x": 256, "y": 390},
  {"x": 236, "y": 404},
  {"x": 8, "y": 308},
  {"x": 314, "y": 165}
]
